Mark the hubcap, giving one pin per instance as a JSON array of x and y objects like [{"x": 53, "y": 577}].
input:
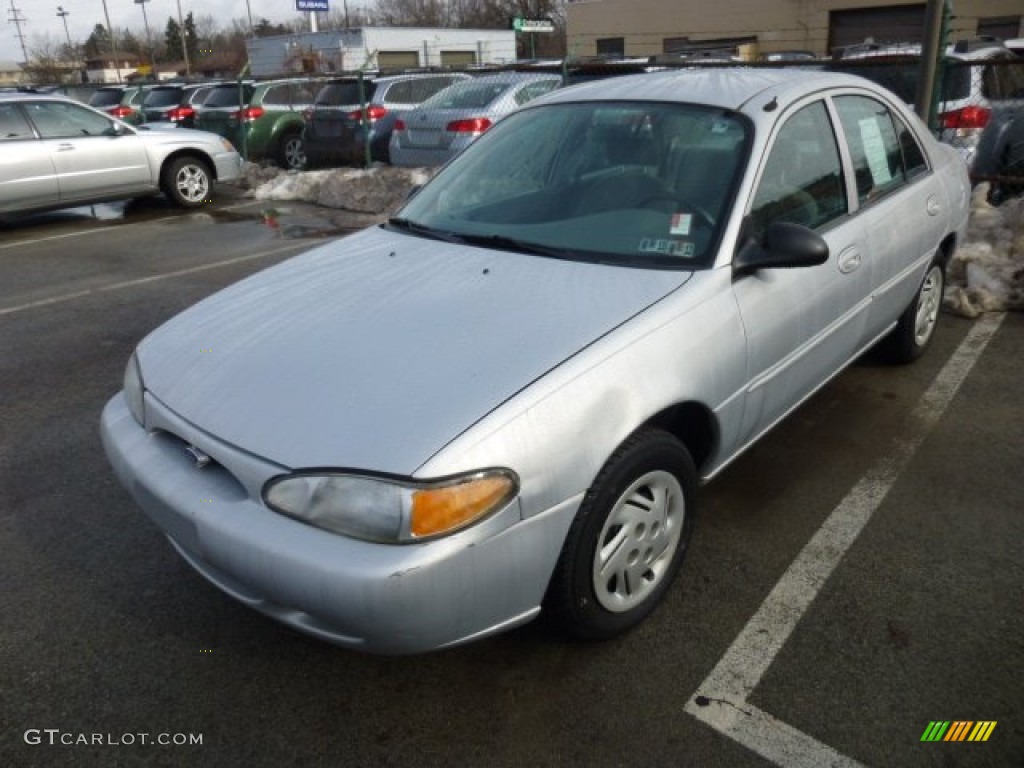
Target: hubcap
[
  {"x": 928, "y": 303},
  {"x": 193, "y": 183},
  {"x": 638, "y": 541},
  {"x": 293, "y": 154}
]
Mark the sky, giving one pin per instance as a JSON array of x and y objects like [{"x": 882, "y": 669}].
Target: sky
[{"x": 41, "y": 17}]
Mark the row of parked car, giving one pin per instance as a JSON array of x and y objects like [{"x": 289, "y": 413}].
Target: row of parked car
[{"x": 415, "y": 119}]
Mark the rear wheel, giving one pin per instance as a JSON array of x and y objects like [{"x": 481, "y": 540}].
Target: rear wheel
[
  {"x": 187, "y": 181},
  {"x": 628, "y": 540},
  {"x": 291, "y": 154},
  {"x": 916, "y": 326}
]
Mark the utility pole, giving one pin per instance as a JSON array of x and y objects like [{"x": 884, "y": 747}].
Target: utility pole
[
  {"x": 113, "y": 42},
  {"x": 184, "y": 42},
  {"x": 149, "y": 37},
  {"x": 15, "y": 17},
  {"x": 64, "y": 17}
]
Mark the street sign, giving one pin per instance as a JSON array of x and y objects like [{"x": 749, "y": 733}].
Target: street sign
[
  {"x": 312, "y": 5},
  {"x": 533, "y": 25}
]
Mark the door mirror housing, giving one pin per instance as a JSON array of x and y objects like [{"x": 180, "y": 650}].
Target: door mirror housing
[{"x": 784, "y": 245}]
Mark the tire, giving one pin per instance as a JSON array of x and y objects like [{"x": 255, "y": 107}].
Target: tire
[
  {"x": 628, "y": 540},
  {"x": 187, "y": 181},
  {"x": 916, "y": 326},
  {"x": 291, "y": 154}
]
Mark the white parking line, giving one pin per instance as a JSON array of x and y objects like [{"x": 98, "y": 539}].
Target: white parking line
[
  {"x": 150, "y": 279},
  {"x": 95, "y": 230},
  {"x": 721, "y": 700}
]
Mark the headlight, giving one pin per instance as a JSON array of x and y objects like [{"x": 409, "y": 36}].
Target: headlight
[
  {"x": 134, "y": 390},
  {"x": 227, "y": 145},
  {"x": 390, "y": 511}
]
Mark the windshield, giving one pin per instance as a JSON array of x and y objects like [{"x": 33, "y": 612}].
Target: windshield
[
  {"x": 227, "y": 96},
  {"x": 163, "y": 97},
  {"x": 627, "y": 183},
  {"x": 344, "y": 94},
  {"x": 106, "y": 98},
  {"x": 467, "y": 95}
]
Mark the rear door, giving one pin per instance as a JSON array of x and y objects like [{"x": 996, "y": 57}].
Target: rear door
[
  {"x": 27, "y": 176},
  {"x": 901, "y": 202}
]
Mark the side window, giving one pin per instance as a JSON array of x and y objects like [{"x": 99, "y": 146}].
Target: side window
[
  {"x": 913, "y": 157},
  {"x": 875, "y": 148},
  {"x": 802, "y": 181},
  {"x": 57, "y": 120},
  {"x": 13, "y": 124},
  {"x": 402, "y": 92},
  {"x": 276, "y": 95},
  {"x": 533, "y": 90}
]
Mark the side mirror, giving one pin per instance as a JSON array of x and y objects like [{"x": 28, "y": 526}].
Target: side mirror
[
  {"x": 783, "y": 246},
  {"x": 116, "y": 129}
]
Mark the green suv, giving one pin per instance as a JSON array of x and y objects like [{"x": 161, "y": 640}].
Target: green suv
[{"x": 263, "y": 119}]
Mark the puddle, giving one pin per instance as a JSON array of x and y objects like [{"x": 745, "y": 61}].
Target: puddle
[{"x": 284, "y": 222}]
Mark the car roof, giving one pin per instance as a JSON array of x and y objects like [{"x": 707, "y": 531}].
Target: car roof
[
  {"x": 514, "y": 77},
  {"x": 725, "y": 87}
]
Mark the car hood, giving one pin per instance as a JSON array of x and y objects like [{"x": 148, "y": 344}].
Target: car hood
[{"x": 376, "y": 350}]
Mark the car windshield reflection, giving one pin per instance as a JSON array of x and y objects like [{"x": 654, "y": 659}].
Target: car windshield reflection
[{"x": 634, "y": 184}]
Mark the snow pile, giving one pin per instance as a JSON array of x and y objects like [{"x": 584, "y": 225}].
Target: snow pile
[
  {"x": 987, "y": 272},
  {"x": 379, "y": 190}
]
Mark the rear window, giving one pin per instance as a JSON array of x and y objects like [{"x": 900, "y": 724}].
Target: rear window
[
  {"x": 163, "y": 97},
  {"x": 468, "y": 95},
  {"x": 106, "y": 98},
  {"x": 344, "y": 94},
  {"x": 227, "y": 96}
]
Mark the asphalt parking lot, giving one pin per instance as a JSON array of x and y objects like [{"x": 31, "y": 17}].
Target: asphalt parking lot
[{"x": 856, "y": 576}]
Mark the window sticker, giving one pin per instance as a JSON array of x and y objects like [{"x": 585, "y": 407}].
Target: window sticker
[
  {"x": 874, "y": 151},
  {"x": 667, "y": 246},
  {"x": 680, "y": 224}
]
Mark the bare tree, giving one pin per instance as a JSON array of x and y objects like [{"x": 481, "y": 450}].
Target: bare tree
[{"x": 46, "y": 62}]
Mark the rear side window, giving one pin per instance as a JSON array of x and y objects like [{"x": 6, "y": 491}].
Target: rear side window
[
  {"x": 1004, "y": 79},
  {"x": 13, "y": 124},
  {"x": 876, "y": 148},
  {"x": 227, "y": 96},
  {"x": 531, "y": 91},
  {"x": 277, "y": 96}
]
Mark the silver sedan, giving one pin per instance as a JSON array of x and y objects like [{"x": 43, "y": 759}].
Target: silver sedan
[
  {"x": 450, "y": 120},
  {"x": 503, "y": 400},
  {"x": 56, "y": 153}
]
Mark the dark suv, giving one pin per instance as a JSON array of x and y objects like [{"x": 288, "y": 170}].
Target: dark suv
[
  {"x": 262, "y": 119},
  {"x": 120, "y": 101},
  {"x": 175, "y": 103},
  {"x": 337, "y": 128}
]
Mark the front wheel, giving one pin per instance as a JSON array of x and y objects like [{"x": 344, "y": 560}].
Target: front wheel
[
  {"x": 187, "y": 182},
  {"x": 628, "y": 540},
  {"x": 916, "y": 326}
]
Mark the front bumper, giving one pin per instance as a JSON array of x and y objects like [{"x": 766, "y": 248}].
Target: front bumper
[{"x": 373, "y": 597}]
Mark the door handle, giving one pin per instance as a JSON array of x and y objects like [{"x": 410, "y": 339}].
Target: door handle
[
  {"x": 849, "y": 260},
  {"x": 65, "y": 147}
]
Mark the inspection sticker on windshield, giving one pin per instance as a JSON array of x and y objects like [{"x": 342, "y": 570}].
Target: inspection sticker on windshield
[
  {"x": 667, "y": 246},
  {"x": 680, "y": 224}
]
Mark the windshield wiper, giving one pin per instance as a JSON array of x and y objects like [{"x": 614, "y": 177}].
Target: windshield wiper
[
  {"x": 505, "y": 243},
  {"x": 415, "y": 228}
]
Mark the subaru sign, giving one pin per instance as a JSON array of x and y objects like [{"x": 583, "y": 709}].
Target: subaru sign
[{"x": 312, "y": 5}]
